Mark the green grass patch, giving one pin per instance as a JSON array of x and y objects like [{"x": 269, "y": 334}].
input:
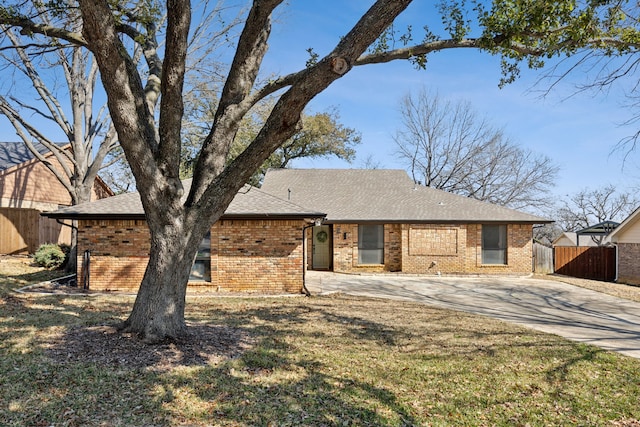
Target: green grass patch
[{"x": 329, "y": 361}]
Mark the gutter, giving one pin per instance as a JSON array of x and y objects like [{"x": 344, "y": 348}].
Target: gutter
[{"x": 61, "y": 222}]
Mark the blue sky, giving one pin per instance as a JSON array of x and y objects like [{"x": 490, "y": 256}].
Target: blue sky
[{"x": 578, "y": 132}]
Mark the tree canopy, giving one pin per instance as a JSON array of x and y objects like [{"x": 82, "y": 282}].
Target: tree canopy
[{"x": 147, "y": 104}]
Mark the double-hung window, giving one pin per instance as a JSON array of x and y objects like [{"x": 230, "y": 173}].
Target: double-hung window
[
  {"x": 494, "y": 244},
  {"x": 371, "y": 244}
]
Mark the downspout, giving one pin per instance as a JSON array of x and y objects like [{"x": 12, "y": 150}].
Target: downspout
[
  {"x": 304, "y": 259},
  {"x": 615, "y": 245},
  {"x": 65, "y": 224},
  {"x": 86, "y": 269}
]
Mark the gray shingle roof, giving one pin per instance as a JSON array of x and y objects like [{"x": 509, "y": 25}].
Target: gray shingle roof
[
  {"x": 15, "y": 153},
  {"x": 375, "y": 195},
  {"x": 249, "y": 202}
]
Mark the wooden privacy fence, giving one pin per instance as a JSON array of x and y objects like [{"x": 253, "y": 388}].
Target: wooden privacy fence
[
  {"x": 23, "y": 230},
  {"x": 542, "y": 259},
  {"x": 597, "y": 263}
]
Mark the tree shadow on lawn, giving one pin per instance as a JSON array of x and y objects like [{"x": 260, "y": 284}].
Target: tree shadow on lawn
[
  {"x": 253, "y": 362},
  {"x": 244, "y": 369}
]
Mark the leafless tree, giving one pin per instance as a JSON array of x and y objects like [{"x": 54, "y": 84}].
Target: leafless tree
[
  {"x": 43, "y": 109},
  {"x": 88, "y": 134},
  {"x": 448, "y": 146},
  {"x": 589, "y": 207},
  {"x": 147, "y": 103}
]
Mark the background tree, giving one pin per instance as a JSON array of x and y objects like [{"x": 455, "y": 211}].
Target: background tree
[
  {"x": 320, "y": 135},
  {"x": 78, "y": 134},
  {"x": 43, "y": 111},
  {"x": 147, "y": 103},
  {"x": 589, "y": 207},
  {"x": 448, "y": 146}
]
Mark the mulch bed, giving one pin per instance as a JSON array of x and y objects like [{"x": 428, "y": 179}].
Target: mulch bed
[{"x": 106, "y": 345}]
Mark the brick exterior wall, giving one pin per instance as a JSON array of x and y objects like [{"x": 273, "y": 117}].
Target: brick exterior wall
[
  {"x": 267, "y": 255},
  {"x": 436, "y": 248},
  {"x": 433, "y": 249},
  {"x": 249, "y": 256},
  {"x": 629, "y": 263},
  {"x": 119, "y": 253},
  {"x": 252, "y": 256}
]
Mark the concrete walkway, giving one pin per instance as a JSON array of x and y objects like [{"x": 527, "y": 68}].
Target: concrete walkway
[{"x": 572, "y": 312}]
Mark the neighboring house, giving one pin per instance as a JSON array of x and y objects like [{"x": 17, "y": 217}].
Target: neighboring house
[
  {"x": 28, "y": 188},
  {"x": 570, "y": 238},
  {"x": 626, "y": 237},
  {"x": 587, "y": 236},
  {"x": 567, "y": 238},
  {"x": 596, "y": 233},
  {"x": 349, "y": 221}
]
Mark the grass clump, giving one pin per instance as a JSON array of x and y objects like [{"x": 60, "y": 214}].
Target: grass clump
[{"x": 322, "y": 361}]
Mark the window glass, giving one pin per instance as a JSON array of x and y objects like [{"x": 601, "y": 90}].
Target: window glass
[
  {"x": 494, "y": 244},
  {"x": 371, "y": 244},
  {"x": 201, "y": 269}
]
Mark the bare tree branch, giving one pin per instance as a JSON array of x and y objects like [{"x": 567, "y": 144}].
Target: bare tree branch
[{"x": 446, "y": 146}]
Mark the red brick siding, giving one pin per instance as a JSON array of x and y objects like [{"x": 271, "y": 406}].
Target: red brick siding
[
  {"x": 264, "y": 256},
  {"x": 119, "y": 253},
  {"x": 629, "y": 263},
  {"x": 519, "y": 250},
  {"x": 345, "y": 247},
  {"x": 433, "y": 248}
]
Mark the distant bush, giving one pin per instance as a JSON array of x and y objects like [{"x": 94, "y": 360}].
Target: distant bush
[{"x": 50, "y": 255}]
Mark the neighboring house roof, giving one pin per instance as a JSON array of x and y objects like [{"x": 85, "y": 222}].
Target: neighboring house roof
[
  {"x": 16, "y": 153},
  {"x": 570, "y": 238},
  {"x": 379, "y": 195},
  {"x": 250, "y": 202},
  {"x": 567, "y": 238},
  {"x": 625, "y": 226}
]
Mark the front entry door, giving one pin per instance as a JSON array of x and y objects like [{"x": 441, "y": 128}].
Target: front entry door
[{"x": 321, "y": 259}]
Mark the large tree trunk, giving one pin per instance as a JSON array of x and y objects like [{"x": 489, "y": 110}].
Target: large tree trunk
[{"x": 158, "y": 312}]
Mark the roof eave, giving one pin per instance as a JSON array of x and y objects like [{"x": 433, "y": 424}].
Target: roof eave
[
  {"x": 88, "y": 216},
  {"x": 233, "y": 216},
  {"x": 432, "y": 221}
]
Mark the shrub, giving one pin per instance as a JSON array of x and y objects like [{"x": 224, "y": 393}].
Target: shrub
[{"x": 50, "y": 256}]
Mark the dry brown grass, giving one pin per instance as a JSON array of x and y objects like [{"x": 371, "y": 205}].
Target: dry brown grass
[
  {"x": 619, "y": 290},
  {"x": 329, "y": 361}
]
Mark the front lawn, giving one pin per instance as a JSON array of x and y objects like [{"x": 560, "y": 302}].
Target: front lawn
[{"x": 321, "y": 361}]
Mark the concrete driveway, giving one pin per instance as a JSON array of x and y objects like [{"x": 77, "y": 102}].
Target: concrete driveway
[{"x": 572, "y": 312}]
